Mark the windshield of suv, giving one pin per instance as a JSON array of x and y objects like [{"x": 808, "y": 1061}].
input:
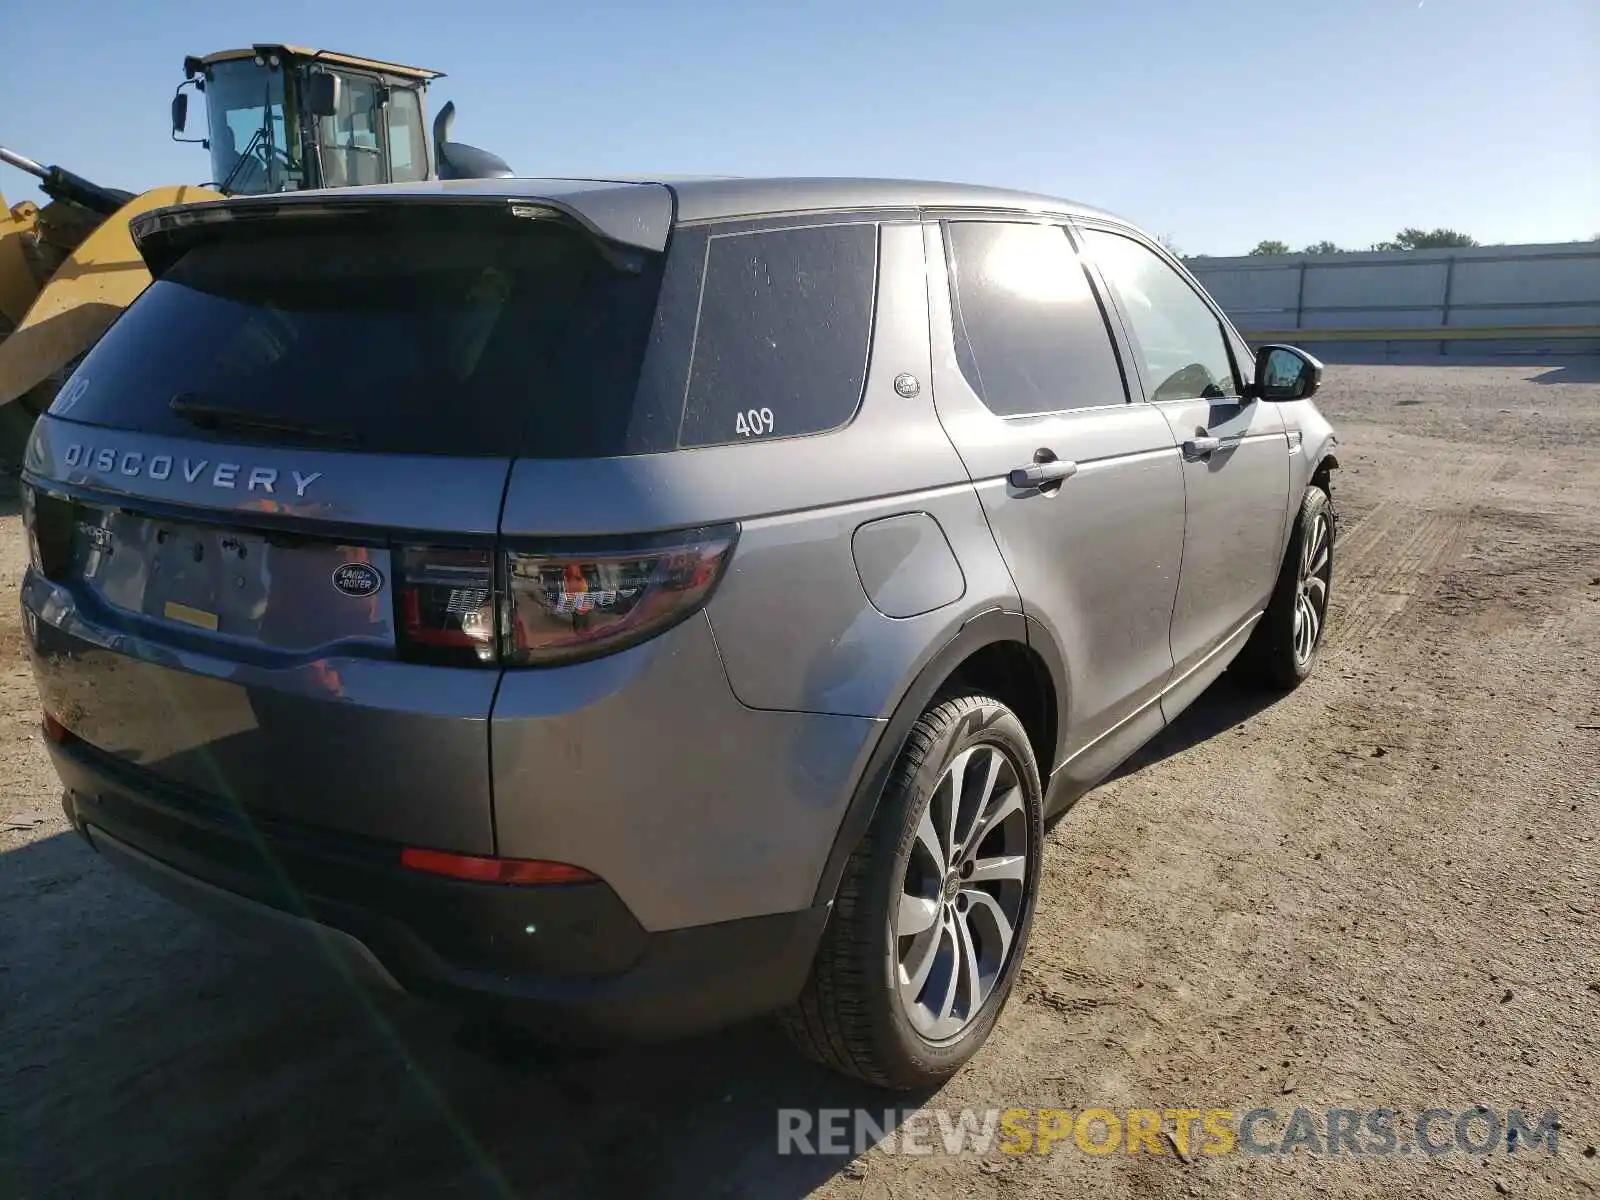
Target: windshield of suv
[
  {"x": 488, "y": 336},
  {"x": 251, "y": 148}
]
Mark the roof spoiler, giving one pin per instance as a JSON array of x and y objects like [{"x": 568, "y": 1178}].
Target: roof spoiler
[{"x": 163, "y": 235}]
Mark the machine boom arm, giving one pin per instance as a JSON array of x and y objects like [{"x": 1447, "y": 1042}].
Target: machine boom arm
[{"x": 61, "y": 184}]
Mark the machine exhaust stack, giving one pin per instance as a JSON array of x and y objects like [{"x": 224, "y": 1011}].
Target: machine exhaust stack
[{"x": 457, "y": 160}]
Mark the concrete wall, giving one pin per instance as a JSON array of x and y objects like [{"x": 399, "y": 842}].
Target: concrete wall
[{"x": 1485, "y": 286}]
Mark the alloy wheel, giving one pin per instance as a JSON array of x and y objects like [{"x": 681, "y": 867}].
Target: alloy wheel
[
  {"x": 963, "y": 893},
  {"x": 1311, "y": 596}
]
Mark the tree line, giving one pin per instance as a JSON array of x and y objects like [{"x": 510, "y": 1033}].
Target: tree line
[{"x": 1406, "y": 239}]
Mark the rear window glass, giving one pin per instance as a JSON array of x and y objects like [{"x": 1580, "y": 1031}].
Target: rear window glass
[
  {"x": 785, "y": 323},
  {"x": 518, "y": 339}
]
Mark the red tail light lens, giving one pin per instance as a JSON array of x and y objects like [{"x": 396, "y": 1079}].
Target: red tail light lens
[
  {"x": 493, "y": 870},
  {"x": 563, "y": 607},
  {"x": 445, "y": 602},
  {"x": 548, "y": 607}
]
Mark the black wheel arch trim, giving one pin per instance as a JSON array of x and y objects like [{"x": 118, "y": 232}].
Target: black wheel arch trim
[
  {"x": 1042, "y": 644},
  {"x": 987, "y": 628},
  {"x": 1323, "y": 471}
]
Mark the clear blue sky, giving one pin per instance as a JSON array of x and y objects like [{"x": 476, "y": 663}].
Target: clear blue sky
[{"x": 1218, "y": 124}]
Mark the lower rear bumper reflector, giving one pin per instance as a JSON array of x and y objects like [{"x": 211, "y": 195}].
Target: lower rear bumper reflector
[{"x": 493, "y": 870}]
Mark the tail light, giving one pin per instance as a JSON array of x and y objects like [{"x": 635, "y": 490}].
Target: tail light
[
  {"x": 446, "y": 605},
  {"x": 563, "y": 607},
  {"x": 537, "y": 608}
]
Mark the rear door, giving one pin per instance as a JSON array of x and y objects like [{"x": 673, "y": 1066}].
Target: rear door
[
  {"x": 268, "y": 500},
  {"x": 1027, "y": 381},
  {"x": 1235, "y": 451}
]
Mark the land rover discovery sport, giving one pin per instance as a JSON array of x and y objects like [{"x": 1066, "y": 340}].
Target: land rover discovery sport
[{"x": 646, "y": 605}]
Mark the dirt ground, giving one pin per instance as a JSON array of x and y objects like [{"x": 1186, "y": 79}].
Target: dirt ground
[{"x": 1383, "y": 890}]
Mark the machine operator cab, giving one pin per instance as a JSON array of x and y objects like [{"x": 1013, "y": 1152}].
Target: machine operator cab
[{"x": 287, "y": 118}]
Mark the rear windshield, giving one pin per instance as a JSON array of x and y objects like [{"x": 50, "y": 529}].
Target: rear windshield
[{"x": 521, "y": 338}]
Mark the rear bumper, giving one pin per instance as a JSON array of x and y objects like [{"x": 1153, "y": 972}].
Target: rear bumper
[
  {"x": 641, "y": 767},
  {"x": 572, "y": 957}
]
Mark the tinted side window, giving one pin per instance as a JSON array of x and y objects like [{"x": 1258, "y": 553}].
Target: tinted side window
[
  {"x": 1178, "y": 337},
  {"x": 785, "y": 323},
  {"x": 1030, "y": 335}
]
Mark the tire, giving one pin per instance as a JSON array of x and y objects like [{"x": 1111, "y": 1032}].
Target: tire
[
  {"x": 1277, "y": 656},
  {"x": 852, "y": 1016}
]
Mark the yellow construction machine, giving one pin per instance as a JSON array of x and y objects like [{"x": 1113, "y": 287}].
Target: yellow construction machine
[{"x": 278, "y": 118}]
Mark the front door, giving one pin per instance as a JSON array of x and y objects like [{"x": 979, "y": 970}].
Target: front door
[
  {"x": 1083, "y": 489},
  {"x": 351, "y": 141},
  {"x": 1235, "y": 451}
]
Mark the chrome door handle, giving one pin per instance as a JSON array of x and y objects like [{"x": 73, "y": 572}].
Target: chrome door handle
[
  {"x": 1038, "y": 475},
  {"x": 1199, "y": 447}
]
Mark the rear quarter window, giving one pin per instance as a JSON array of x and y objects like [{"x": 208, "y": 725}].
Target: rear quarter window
[{"x": 783, "y": 333}]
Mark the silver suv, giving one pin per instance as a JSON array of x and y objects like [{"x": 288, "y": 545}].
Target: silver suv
[{"x": 644, "y": 605}]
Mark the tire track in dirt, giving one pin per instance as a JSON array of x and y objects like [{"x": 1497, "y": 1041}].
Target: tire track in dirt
[
  {"x": 1447, "y": 784},
  {"x": 1392, "y": 789},
  {"x": 1421, "y": 485},
  {"x": 1398, "y": 551}
]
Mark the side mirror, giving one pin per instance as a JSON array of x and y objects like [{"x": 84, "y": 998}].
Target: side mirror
[
  {"x": 323, "y": 93},
  {"x": 180, "y": 112},
  {"x": 1286, "y": 373}
]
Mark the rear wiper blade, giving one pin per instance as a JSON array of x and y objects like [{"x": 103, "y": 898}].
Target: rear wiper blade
[{"x": 215, "y": 416}]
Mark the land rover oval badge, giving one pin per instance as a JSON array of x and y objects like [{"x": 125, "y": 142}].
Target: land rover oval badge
[{"x": 358, "y": 579}]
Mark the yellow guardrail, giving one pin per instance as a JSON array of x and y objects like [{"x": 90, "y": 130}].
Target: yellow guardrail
[{"x": 1448, "y": 333}]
